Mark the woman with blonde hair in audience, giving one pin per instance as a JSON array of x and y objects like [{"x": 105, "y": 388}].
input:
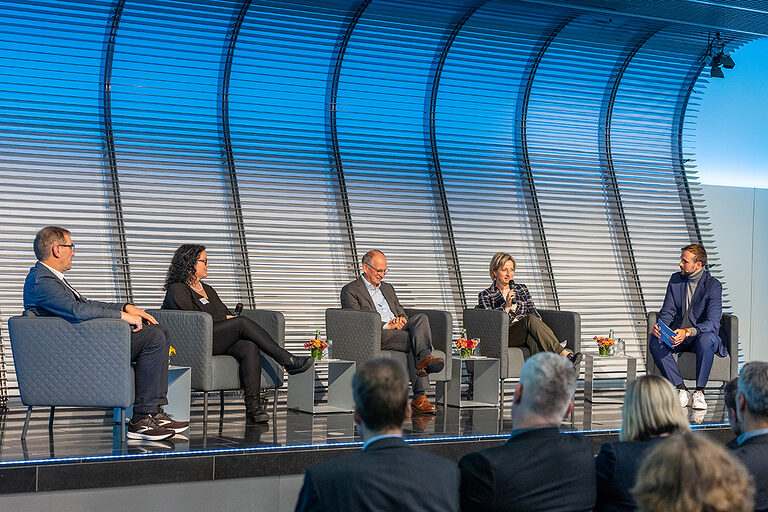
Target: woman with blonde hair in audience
[
  {"x": 650, "y": 413},
  {"x": 689, "y": 473}
]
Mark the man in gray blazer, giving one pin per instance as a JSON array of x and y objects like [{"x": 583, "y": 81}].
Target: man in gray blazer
[
  {"x": 752, "y": 412},
  {"x": 387, "y": 474},
  {"x": 410, "y": 335},
  {"x": 47, "y": 293}
]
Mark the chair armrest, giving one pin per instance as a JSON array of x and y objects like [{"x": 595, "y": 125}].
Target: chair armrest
[
  {"x": 492, "y": 327},
  {"x": 441, "y": 329},
  {"x": 566, "y": 325},
  {"x": 729, "y": 330},
  {"x": 650, "y": 363},
  {"x": 440, "y": 325},
  {"x": 80, "y": 364},
  {"x": 274, "y": 323},
  {"x": 271, "y": 321},
  {"x": 192, "y": 337},
  {"x": 356, "y": 335}
]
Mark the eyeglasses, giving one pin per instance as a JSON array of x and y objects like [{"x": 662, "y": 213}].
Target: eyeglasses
[
  {"x": 382, "y": 271},
  {"x": 204, "y": 262},
  {"x": 71, "y": 246}
]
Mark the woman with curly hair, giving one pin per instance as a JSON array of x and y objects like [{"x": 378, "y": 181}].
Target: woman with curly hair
[
  {"x": 651, "y": 412},
  {"x": 233, "y": 335},
  {"x": 689, "y": 473}
]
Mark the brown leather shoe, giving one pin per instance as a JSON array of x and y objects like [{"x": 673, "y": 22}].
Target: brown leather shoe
[
  {"x": 421, "y": 404},
  {"x": 429, "y": 364}
]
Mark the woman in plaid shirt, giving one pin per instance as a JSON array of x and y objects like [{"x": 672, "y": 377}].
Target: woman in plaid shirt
[{"x": 526, "y": 329}]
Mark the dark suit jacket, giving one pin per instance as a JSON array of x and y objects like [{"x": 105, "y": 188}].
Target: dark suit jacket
[
  {"x": 537, "y": 470},
  {"x": 617, "y": 465},
  {"x": 706, "y": 305},
  {"x": 46, "y": 295},
  {"x": 753, "y": 453},
  {"x": 387, "y": 476},
  {"x": 355, "y": 295}
]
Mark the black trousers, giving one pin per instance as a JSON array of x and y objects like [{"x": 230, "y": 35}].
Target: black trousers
[
  {"x": 244, "y": 339},
  {"x": 415, "y": 338},
  {"x": 149, "y": 352}
]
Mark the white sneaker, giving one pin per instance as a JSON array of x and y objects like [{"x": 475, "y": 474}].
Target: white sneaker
[
  {"x": 698, "y": 400},
  {"x": 684, "y": 397}
]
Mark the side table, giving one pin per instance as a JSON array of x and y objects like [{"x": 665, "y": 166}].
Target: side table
[
  {"x": 486, "y": 383},
  {"x": 301, "y": 387},
  {"x": 590, "y": 360},
  {"x": 179, "y": 395}
]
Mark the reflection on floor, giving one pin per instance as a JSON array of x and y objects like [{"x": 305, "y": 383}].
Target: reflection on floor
[{"x": 90, "y": 433}]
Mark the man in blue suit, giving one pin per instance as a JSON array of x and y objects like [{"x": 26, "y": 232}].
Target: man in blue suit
[
  {"x": 47, "y": 293},
  {"x": 692, "y": 309},
  {"x": 387, "y": 474}
]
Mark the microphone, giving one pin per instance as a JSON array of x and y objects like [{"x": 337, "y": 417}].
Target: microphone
[{"x": 238, "y": 308}]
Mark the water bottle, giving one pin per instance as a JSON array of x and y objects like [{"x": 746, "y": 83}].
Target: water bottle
[{"x": 621, "y": 347}]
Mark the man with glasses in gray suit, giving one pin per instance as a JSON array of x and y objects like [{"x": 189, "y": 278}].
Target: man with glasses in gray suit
[{"x": 410, "y": 335}]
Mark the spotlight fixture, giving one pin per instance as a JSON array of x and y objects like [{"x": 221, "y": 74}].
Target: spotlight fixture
[
  {"x": 718, "y": 59},
  {"x": 726, "y": 61}
]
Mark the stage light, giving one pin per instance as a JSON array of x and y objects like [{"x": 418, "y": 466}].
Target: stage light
[{"x": 718, "y": 59}]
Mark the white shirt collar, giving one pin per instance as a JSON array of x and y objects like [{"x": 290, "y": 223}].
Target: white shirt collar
[
  {"x": 58, "y": 274},
  {"x": 368, "y": 284}
]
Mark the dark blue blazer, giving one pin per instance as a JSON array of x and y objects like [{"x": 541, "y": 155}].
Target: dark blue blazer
[
  {"x": 46, "y": 295},
  {"x": 706, "y": 306},
  {"x": 753, "y": 453},
  {"x": 617, "y": 465},
  {"x": 536, "y": 470},
  {"x": 387, "y": 475}
]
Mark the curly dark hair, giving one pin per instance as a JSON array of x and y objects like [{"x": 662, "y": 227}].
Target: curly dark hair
[{"x": 183, "y": 264}]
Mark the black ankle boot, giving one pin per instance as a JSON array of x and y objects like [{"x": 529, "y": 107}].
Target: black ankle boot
[
  {"x": 255, "y": 415},
  {"x": 298, "y": 364}
]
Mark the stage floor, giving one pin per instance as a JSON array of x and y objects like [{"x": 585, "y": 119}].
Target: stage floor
[{"x": 79, "y": 434}]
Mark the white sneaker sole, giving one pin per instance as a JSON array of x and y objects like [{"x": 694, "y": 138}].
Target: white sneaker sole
[
  {"x": 148, "y": 437},
  {"x": 177, "y": 430}
]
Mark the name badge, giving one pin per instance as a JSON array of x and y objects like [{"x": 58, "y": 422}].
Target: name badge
[{"x": 203, "y": 300}]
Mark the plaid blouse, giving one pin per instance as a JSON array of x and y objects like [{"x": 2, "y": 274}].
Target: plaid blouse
[{"x": 492, "y": 298}]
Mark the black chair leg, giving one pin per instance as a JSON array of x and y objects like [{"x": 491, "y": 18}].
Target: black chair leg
[
  {"x": 205, "y": 407},
  {"x": 50, "y": 420},
  {"x": 221, "y": 409},
  {"x": 122, "y": 425},
  {"x": 26, "y": 423}
]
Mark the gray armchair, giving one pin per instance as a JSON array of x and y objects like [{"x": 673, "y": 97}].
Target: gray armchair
[
  {"x": 492, "y": 327},
  {"x": 356, "y": 336},
  {"x": 192, "y": 337},
  {"x": 723, "y": 368},
  {"x": 87, "y": 364}
]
